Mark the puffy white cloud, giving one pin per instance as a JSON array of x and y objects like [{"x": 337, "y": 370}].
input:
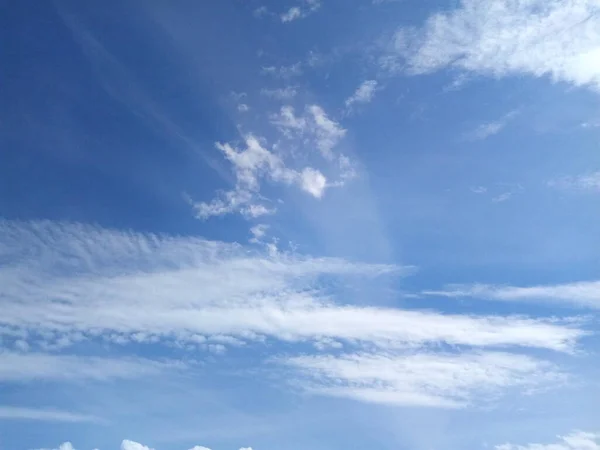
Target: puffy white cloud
[
  {"x": 422, "y": 379},
  {"x": 132, "y": 445},
  {"x": 63, "y": 446},
  {"x": 577, "y": 440},
  {"x": 584, "y": 293},
  {"x": 123, "y": 286},
  {"x": 199, "y": 447},
  {"x": 363, "y": 94},
  {"x": 313, "y": 182},
  {"x": 555, "y": 38},
  {"x": 46, "y": 415}
]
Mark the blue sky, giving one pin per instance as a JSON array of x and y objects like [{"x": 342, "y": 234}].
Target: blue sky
[{"x": 321, "y": 224}]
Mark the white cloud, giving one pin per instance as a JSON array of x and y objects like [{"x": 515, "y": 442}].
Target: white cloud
[
  {"x": 258, "y": 232},
  {"x": 479, "y": 189},
  {"x": 121, "y": 286},
  {"x": 314, "y": 124},
  {"x": 199, "y": 447},
  {"x": 585, "y": 293},
  {"x": 422, "y": 379},
  {"x": 250, "y": 165},
  {"x": 242, "y": 107},
  {"x": 577, "y": 440},
  {"x": 46, "y": 415},
  {"x": 63, "y": 446},
  {"x": 584, "y": 182},
  {"x": 363, "y": 94},
  {"x": 313, "y": 182},
  {"x": 132, "y": 445},
  {"x": 299, "y": 12},
  {"x": 24, "y": 367},
  {"x": 286, "y": 93},
  {"x": 284, "y": 72},
  {"x": 488, "y": 129},
  {"x": 555, "y": 38}
]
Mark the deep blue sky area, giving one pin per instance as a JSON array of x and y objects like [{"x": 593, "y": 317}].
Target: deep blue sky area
[{"x": 324, "y": 224}]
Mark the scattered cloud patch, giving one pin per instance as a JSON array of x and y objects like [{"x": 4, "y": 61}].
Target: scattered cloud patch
[
  {"x": 577, "y": 440},
  {"x": 557, "y": 39},
  {"x": 242, "y": 107}
]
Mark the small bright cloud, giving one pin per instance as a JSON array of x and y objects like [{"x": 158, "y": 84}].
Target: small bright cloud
[{"x": 363, "y": 94}]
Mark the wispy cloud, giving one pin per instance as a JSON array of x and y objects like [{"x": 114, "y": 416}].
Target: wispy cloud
[
  {"x": 300, "y": 12},
  {"x": 283, "y": 72},
  {"x": 577, "y": 440},
  {"x": 363, "y": 94},
  {"x": 589, "y": 182},
  {"x": 123, "y": 286},
  {"x": 23, "y": 367},
  {"x": 313, "y": 124},
  {"x": 558, "y": 39},
  {"x": 586, "y": 294},
  {"x": 286, "y": 93},
  {"x": 485, "y": 130},
  {"x": 46, "y": 415},
  {"x": 434, "y": 380}
]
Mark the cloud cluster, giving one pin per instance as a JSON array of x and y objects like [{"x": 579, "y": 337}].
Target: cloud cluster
[
  {"x": 555, "y": 38},
  {"x": 250, "y": 165},
  {"x": 127, "y": 444}
]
